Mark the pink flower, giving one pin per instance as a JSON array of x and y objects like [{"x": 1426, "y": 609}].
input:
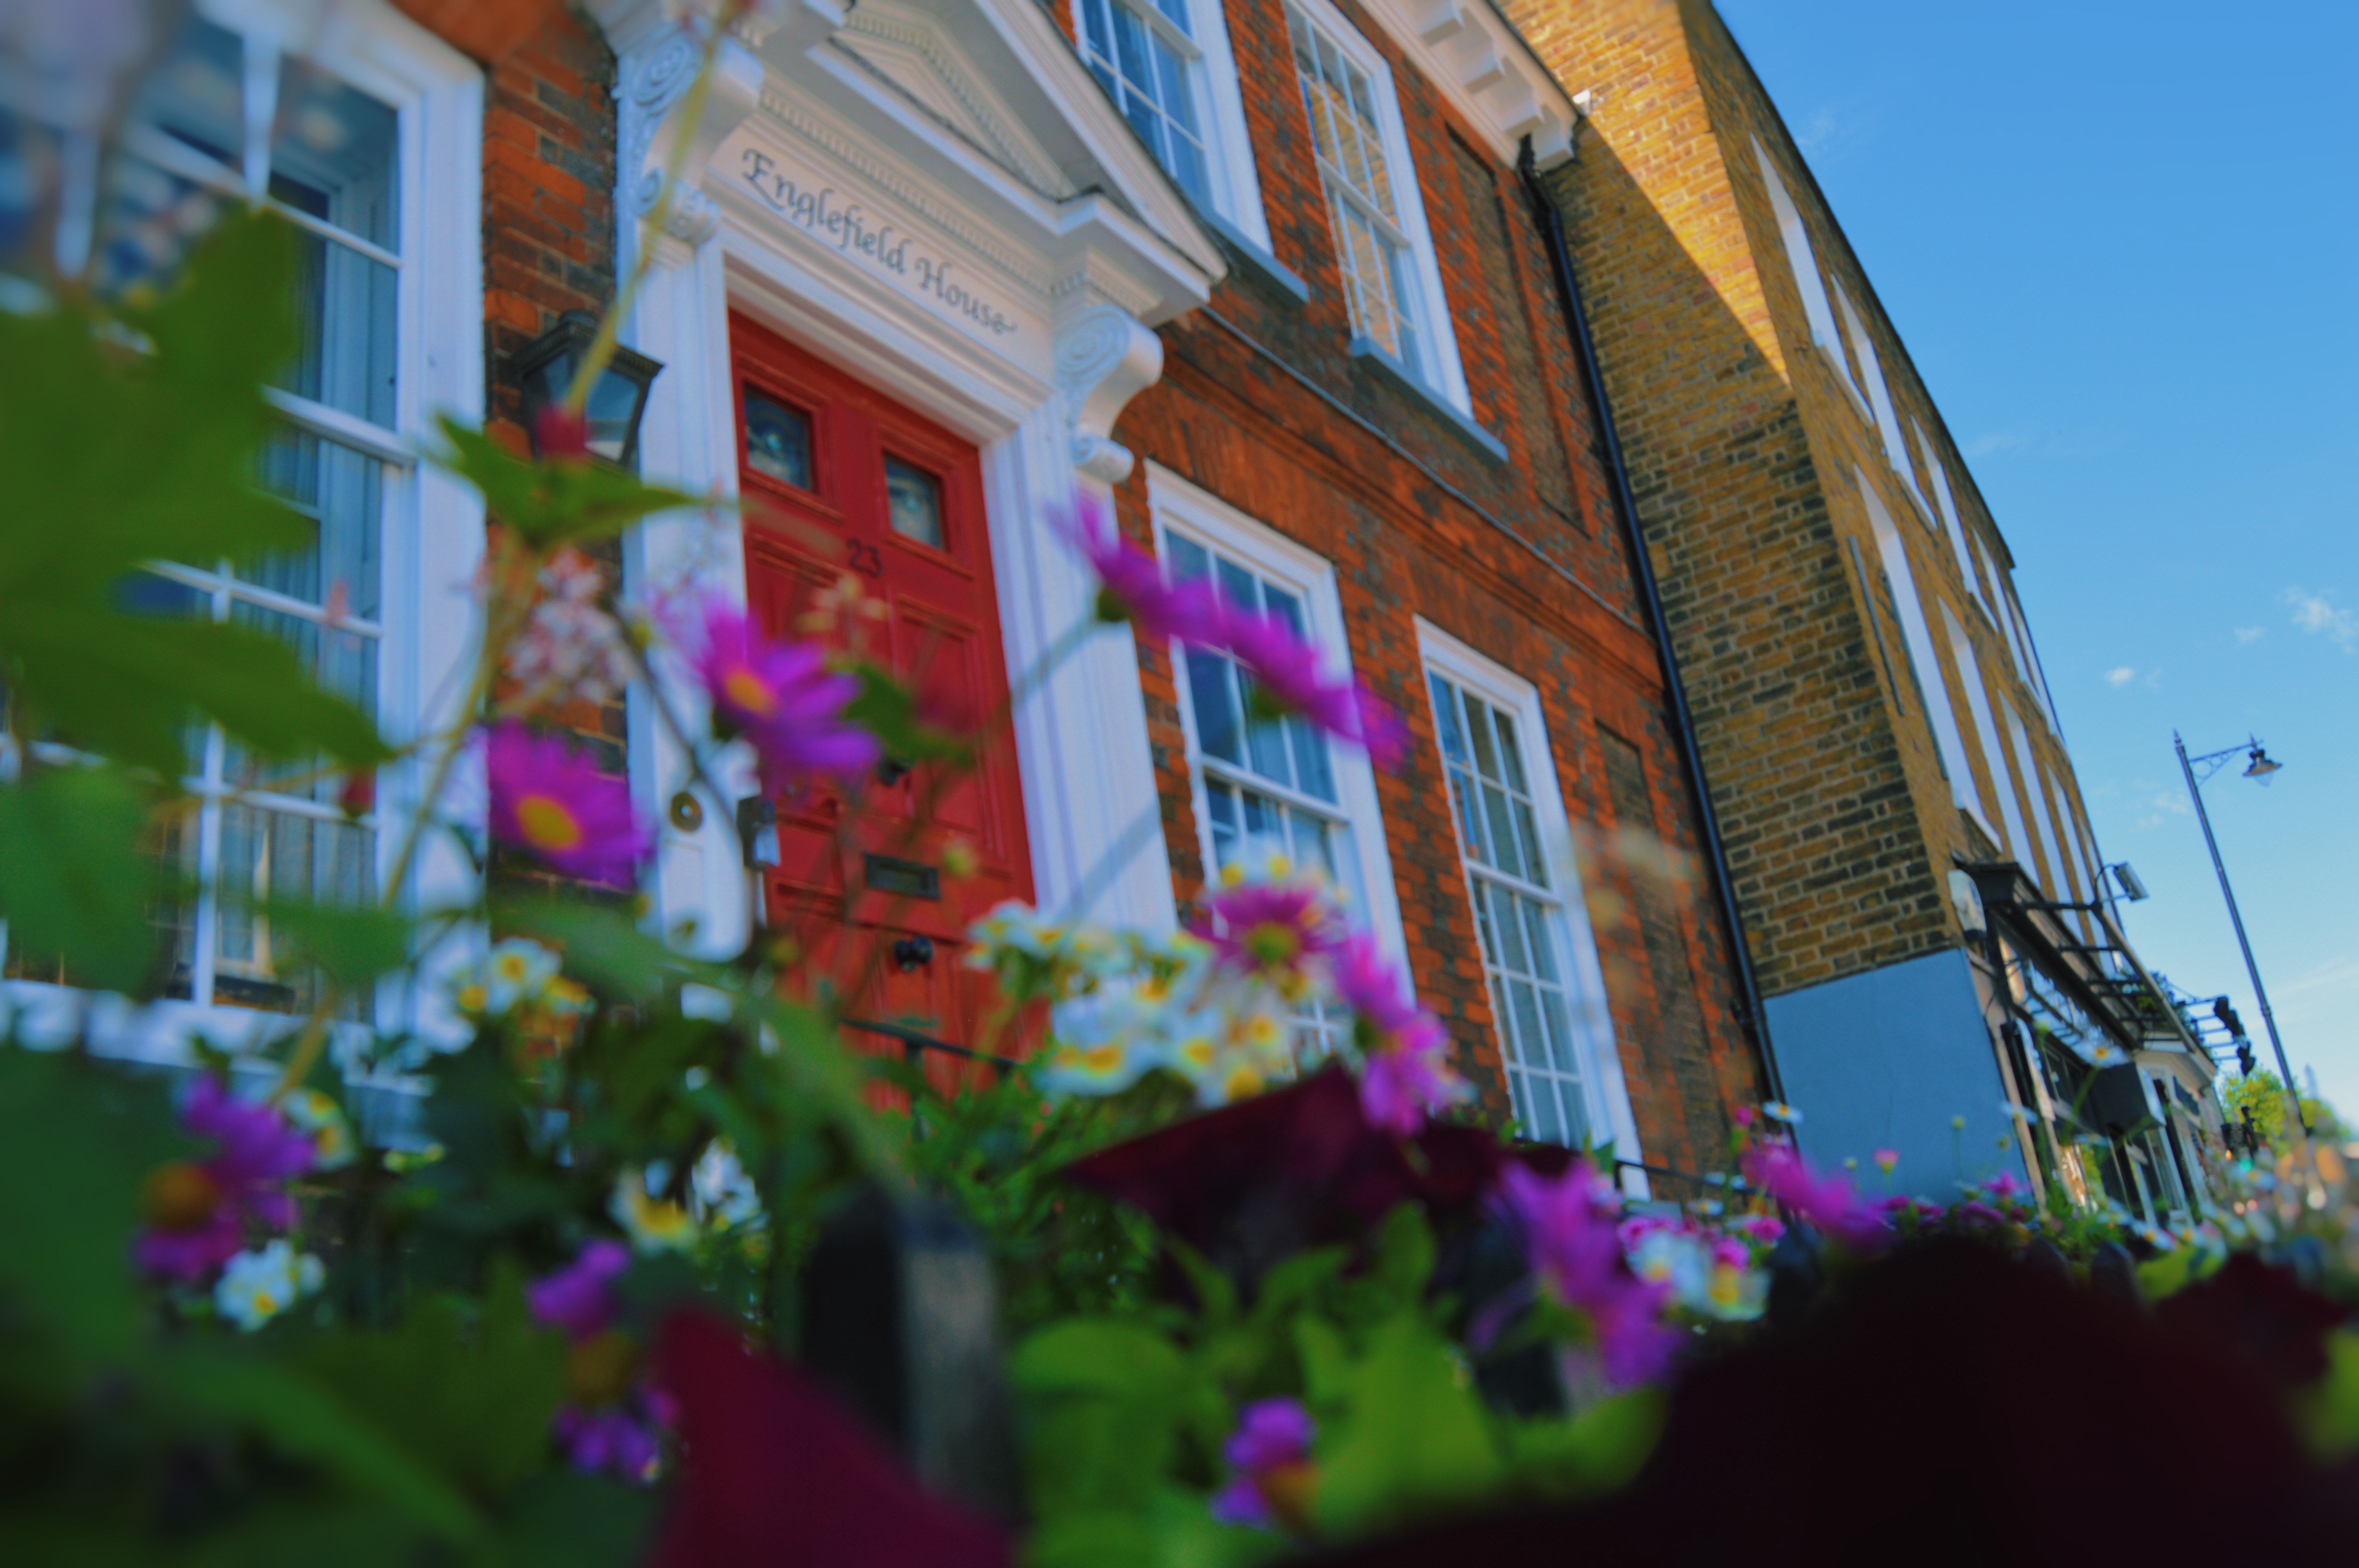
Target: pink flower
[
  {"x": 1271, "y": 931},
  {"x": 577, "y": 1298},
  {"x": 1744, "y": 1115},
  {"x": 1830, "y": 1203},
  {"x": 623, "y": 1440},
  {"x": 1886, "y": 1159},
  {"x": 1285, "y": 670},
  {"x": 551, "y": 801},
  {"x": 1408, "y": 1078},
  {"x": 571, "y": 649},
  {"x": 560, "y": 432},
  {"x": 1570, "y": 1229},
  {"x": 1131, "y": 585},
  {"x": 2004, "y": 1187},
  {"x": 1765, "y": 1228},
  {"x": 200, "y": 1213},
  {"x": 783, "y": 699},
  {"x": 1272, "y": 1438}
]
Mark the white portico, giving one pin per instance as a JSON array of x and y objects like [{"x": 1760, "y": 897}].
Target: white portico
[{"x": 934, "y": 197}]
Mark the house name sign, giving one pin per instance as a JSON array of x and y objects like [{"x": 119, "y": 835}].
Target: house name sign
[{"x": 825, "y": 213}]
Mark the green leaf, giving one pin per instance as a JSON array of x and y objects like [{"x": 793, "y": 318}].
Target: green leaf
[
  {"x": 555, "y": 502},
  {"x": 73, "y": 882},
  {"x": 76, "y": 1141},
  {"x": 467, "y": 1394},
  {"x": 1415, "y": 1437},
  {"x": 1097, "y": 1355},
  {"x": 566, "y": 1520},
  {"x": 888, "y": 710},
  {"x": 1104, "y": 1401},
  {"x": 1598, "y": 1451},
  {"x": 128, "y": 684},
  {"x": 2334, "y": 1414},
  {"x": 354, "y": 944},
  {"x": 304, "y": 1421}
]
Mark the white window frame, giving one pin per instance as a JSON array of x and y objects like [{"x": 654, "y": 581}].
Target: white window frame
[
  {"x": 1803, "y": 261},
  {"x": 1949, "y": 505},
  {"x": 1970, "y": 675},
  {"x": 1606, "y": 1100},
  {"x": 431, "y": 524},
  {"x": 2035, "y": 790},
  {"x": 1879, "y": 397},
  {"x": 1446, "y": 378},
  {"x": 1892, "y": 551},
  {"x": 1219, "y": 98},
  {"x": 1179, "y": 507}
]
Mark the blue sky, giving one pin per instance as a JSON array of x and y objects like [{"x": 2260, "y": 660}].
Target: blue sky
[{"x": 2118, "y": 241}]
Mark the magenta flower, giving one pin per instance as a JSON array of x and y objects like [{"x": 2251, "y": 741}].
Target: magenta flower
[
  {"x": 578, "y": 1297},
  {"x": 783, "y": 699},
  {"x": 1271, "y": 931},
  {"x": 1830, "y": 1203},
  {"x": 622, "y": 1440},
  {"x": 200, "y": 1213},
  {"x": 1765, "y": 1228},
  {"x": 553, "y": 802},
  {"x": 1286, "y": 679},
  {"x": 2005, "y": 1188},
  {"x": 1570, "y": 1229},
  {"x": 1270, "y": 1446},
  {"x": 1131, "y": 585},
  {"x": 1408, "y": 1078}
]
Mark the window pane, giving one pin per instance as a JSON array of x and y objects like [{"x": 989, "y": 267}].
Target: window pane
[
  {"x": 1535, "y": 868},
  {"x": 778, "y": 440},
  {"x": 1130, "y": 48},
  {"x": 1266, "y": 739},
  {"x": 1213, "y": 702},
  {"x": 1446, "y": 723},
  {"x": 344, "y": 303},
  {"x": 340, "y": 491},
  {"x": 334, "y": 153},
  {"x": 196, "y": 96},
  {"x": 913, "y": 502},
  {"x": 1314, "y": 772},
  {"x": 1186, "y": 559},
  {"x": 270, "y": 855},
  {"x": 1228, "y": 841},
  {"x": 344, "y": 662},
  {"x": 1543, "y": 946},
  {"x": 147, "y": 220},
  {"x": 1503, "y": 852},
  {"x": 1240, "y": 587},
  {"x": 1177, "y": 11},
  {"x": 1547, "y": 1125},
  {"x": 1470, "y": 825},
  {"x": 1478, "y": 725}
]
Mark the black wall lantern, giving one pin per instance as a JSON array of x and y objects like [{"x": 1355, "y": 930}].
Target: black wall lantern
[{"x": 545, "y": 368}]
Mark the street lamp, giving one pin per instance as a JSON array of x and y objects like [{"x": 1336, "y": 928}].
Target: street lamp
[
  {"x": 2259, "y": 767},
  {"x": 544, "y": 369}
]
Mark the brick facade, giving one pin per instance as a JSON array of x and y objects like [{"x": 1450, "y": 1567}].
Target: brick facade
[
  {"x": 1746, "y": 441},
  {"x": 1262, "y": 404}
]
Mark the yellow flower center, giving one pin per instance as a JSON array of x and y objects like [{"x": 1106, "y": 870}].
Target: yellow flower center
[
  {"x": 474, "y": 998},
  {"x": 1102, "y": 1059},
  {"x": 1272, "y": 944},
  {"x": 511, "y": 966},
  {"x": 1243, "y": 1083},
  {"x": 1727, "y": 1285},
  {"x": 1198, "y": 1051},
  {"x": 749, "y": 692},
  {"x": 179, "y": 1197},
  {"x": 547, "y": 823}
]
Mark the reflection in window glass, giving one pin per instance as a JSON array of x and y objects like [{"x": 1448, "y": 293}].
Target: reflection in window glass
[
  {"x": 1370, "y": 244},
  {"x": 1519, "y": 922},
  {"x": 778, "y": 440},
  {"x": 1268, "y": 784},
  {"x": 1148, "y": 61},
  {"x": 913, "y": 502}
]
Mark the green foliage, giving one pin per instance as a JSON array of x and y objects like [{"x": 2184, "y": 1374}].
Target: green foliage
[
  {"x": 2262, "y": 1094},
  {"x": 888, "y": 710},
  {"x": 118, "y": 456},
  {"x": 551, "y": 504},
  {"x": 1403, "y": 1432},
  {"x": 466, "y": 1389},
  {"x": 72, "y": 883}
]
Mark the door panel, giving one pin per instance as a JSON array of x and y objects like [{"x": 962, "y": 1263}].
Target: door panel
[{"x": 842, "y": 486}]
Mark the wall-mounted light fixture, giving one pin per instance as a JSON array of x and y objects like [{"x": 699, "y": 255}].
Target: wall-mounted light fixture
[
  {"x": 2133, "y": 887},
  {"x": 545, "y": 369}
]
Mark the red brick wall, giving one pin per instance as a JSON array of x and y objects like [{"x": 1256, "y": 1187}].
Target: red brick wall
[
  {"x": 1262, "y": 406},
  {"x": 548, "y": 245}
]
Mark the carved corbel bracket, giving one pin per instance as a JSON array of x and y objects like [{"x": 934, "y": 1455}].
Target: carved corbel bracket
[
  {"x": 1103, "y": 360},
  {"x": 653, "y": 86}
]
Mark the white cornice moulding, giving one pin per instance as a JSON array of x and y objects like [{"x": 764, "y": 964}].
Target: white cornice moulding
[{"x": 1483, "y": 67}]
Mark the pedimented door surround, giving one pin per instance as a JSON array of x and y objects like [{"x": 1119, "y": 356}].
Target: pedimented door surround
[{"x": 934, "y": 199}]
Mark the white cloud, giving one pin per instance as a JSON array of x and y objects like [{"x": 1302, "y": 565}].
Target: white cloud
[
  {"x": 2120, "y": 678},
  {"x": 2250, "y": 634},
  {"x": 1994, "y": 442},
  {"x": 2162, "y": 804},
  {"x": 2316, "y": 613}
]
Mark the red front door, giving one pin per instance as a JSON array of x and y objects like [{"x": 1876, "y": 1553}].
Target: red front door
[{"x": 864, "y": 526}]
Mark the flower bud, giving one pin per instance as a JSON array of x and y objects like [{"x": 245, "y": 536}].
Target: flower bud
[{"x": 179, "y": 1197}]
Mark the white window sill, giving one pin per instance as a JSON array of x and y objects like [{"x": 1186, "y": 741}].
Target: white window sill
[
  {"x": 1370, "y": 352},
  {"x": 1256, "y": 263}
]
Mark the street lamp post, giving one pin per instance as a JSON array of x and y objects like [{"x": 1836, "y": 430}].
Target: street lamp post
[{"x": 2260, "y": 768}]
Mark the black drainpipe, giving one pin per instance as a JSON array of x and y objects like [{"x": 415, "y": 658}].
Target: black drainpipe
[{"x": 1682, "y": 720}]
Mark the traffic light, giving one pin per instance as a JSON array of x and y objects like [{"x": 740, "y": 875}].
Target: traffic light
[
  {"x": 2226, "y": 1014},
  {"x": 2244, "y": 1062}
]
